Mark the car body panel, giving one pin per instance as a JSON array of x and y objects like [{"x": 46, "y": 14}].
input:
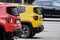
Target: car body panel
[
  {"x": 50, "y": 8},
  {"x": 28, "y": 16},
  {"x": 4, "y": 16}
]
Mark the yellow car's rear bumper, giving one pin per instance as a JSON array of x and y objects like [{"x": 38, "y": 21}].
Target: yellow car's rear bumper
[{"x": 39, "y": 29}]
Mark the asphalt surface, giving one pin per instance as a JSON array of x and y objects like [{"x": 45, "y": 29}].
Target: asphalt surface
[{"x": 51, "y": 31}]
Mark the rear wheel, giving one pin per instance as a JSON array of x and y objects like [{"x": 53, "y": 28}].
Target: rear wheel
[
  {"x": 4, "y": 35},
  {"x": 32, "y": 34},
  {"x": 26, "y": 31},
  {"x": 8, "y": 36}
]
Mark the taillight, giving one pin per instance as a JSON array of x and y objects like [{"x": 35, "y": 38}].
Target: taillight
[
  {"x": 35, "y": 17},
  {"x": 9, "y": 20},
  {"x": 18, "y": 21}
]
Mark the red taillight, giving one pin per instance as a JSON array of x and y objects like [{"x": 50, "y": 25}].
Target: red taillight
[
  {"x": 35, "y": 17},
  {"x": 9, "y": 20}
]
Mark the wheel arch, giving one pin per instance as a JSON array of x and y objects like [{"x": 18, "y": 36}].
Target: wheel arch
[
  {"x": 28, "y": 23},
  {"x": 32, "y": 32}
]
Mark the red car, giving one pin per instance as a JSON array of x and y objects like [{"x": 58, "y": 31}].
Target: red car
[{"x": 9, "y": 21}]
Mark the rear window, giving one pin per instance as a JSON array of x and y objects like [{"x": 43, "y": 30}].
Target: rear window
[
  {"x": 12, "y": 11},
  {"x": 44, "y": 3},
  {"x": 37, "y": 10},
  {"x": 21, "y": 9},
  {"x": 56, "y": 3}
]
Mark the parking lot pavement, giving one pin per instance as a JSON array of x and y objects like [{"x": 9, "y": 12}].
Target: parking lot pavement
[
  {"x": 52, "y": 19},
  {"x": 51, "y": 31}
]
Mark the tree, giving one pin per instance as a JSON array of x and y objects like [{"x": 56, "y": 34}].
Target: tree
[
  {"x": 29, "y": 1},
  {"x": 18, "y": 1}
]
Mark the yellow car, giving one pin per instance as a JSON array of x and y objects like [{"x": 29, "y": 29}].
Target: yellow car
[{"x": 31, "y": 19}]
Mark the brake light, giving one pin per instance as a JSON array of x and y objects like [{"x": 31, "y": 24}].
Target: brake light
[
  {"x": 17, "y": 21},
  {"x": 35, "y": 17},
  {"x": 9, "y": 20}
]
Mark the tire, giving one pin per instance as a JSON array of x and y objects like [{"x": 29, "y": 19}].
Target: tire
[
  {"x": 26, "y": 31},
  {"x": 33, "y": 34},
  {"x": 8, "y": 36},
  {"x": 4, "y": 35}
]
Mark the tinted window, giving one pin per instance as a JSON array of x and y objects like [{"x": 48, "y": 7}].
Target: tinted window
[
  {"x": 42, "y": 3},
  {"x": 56, "y": 3},
  {"x": 12, "y": 11},
  {"x": 46, "y": 3},
  {"x": 37, "y": 10},
  {"x": 21, "y": 9}
]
